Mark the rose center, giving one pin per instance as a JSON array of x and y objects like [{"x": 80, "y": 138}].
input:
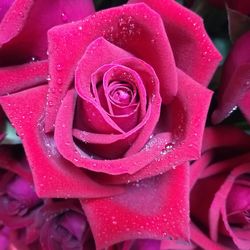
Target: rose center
[{"x": 121, "y": 96}]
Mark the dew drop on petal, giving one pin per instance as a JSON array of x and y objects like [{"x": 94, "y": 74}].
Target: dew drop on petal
[{"x": 64, "y": 17}]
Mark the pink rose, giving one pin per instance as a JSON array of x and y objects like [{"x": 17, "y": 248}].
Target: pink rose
[
  {"x": 220, "y": 195},
  {"x": 235, "y": 89},
  {"x": 118, "y": 115}
]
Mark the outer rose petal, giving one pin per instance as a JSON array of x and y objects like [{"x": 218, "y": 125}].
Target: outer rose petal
[
  {"x": 23, "y": 29},
  {"x": 155, "y": 208},
  {"x": 235, "y": 79},
  {"x": 127, "y": 27},
  {"x": 193, "y": 50},
  {"x": 18, "y": 78},
  {"x": 53, "y": 176},
  {"x": 244, "y": 105}
]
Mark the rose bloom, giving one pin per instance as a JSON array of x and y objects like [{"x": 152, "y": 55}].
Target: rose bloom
[
  {"x": 220, "y": 194},
  {"x": 235, "y": 88},
  {"x": 117, "y": 119}
]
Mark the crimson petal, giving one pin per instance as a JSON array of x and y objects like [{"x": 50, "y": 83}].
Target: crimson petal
[
  {"x": 193, "y": 50},
  {"x": 23, "y": 29},
  {"x": 155, "y": 208}
]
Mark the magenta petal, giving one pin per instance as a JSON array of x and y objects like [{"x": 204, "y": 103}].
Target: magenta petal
[
  {"x": 238, "y": 202},
  {"x": 201, "y": 240},
  {"x": 244, "y": 105},
  {"x": 25, "y": 25},
  {"x": 130, "y": 30},
  {"x": 193, "y": 50},
  {"x": 149, "y": 208},
  {"x": 218, "y": 208},
  {"x": 235, "y": 79},
  {"x": 215, "y": 137},
  {"x": 22, "y": 191},
  {"x": 53, "y": 176},
  {"x": 18, "y": 78},
  {"x": 4, "y": 6}
]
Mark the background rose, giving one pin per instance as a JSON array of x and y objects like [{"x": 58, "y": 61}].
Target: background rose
[
  {"x": 23, "y": 36},
  {"x": 18, "y": 200},
  {"x": 222, "y": 177},
  {"x": 155, "y": 125},
  {"x": 61, "y": 224},
  {"x": 4, "y": 237},
  {"x": 234, "y": 91},
  {"x": 28, "y": 222},
  {"x": 24, "y": 25}
]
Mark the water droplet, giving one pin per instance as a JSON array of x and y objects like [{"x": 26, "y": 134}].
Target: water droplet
[
  {"x": 21, "y": 14},
  {"x": 168, "y": 147},
  {"x": 233, "y": 109},
  {"x": 48, "y": 77},
  {"x": 80, "y": 28},
  {"x": 64, "y": 17},
  {"x": 59, "y": 81},
  {"x": 58, "y": 67},
  {"x": 247, "y": 83}
]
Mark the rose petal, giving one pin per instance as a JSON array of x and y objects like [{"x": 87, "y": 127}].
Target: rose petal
[
  {"x": 235, "y": 79},
  {"x": 244, "y": 105},
  {"x": 53, "y": 176},
  {"x": 4, "y": 6},
  {"x": 24, "y": 26},
  {"x": 129, "y": 31},
  {"x": 18, "y": 78},
  {"x": 218, "y": 207},
  {"x": 193, "y": 50},
  {"x": 203, "y": 241},
  {"x": 215, "y": 137},
  {"x": 155, "y": 208},
  {"x": 238, "y": 201}
]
